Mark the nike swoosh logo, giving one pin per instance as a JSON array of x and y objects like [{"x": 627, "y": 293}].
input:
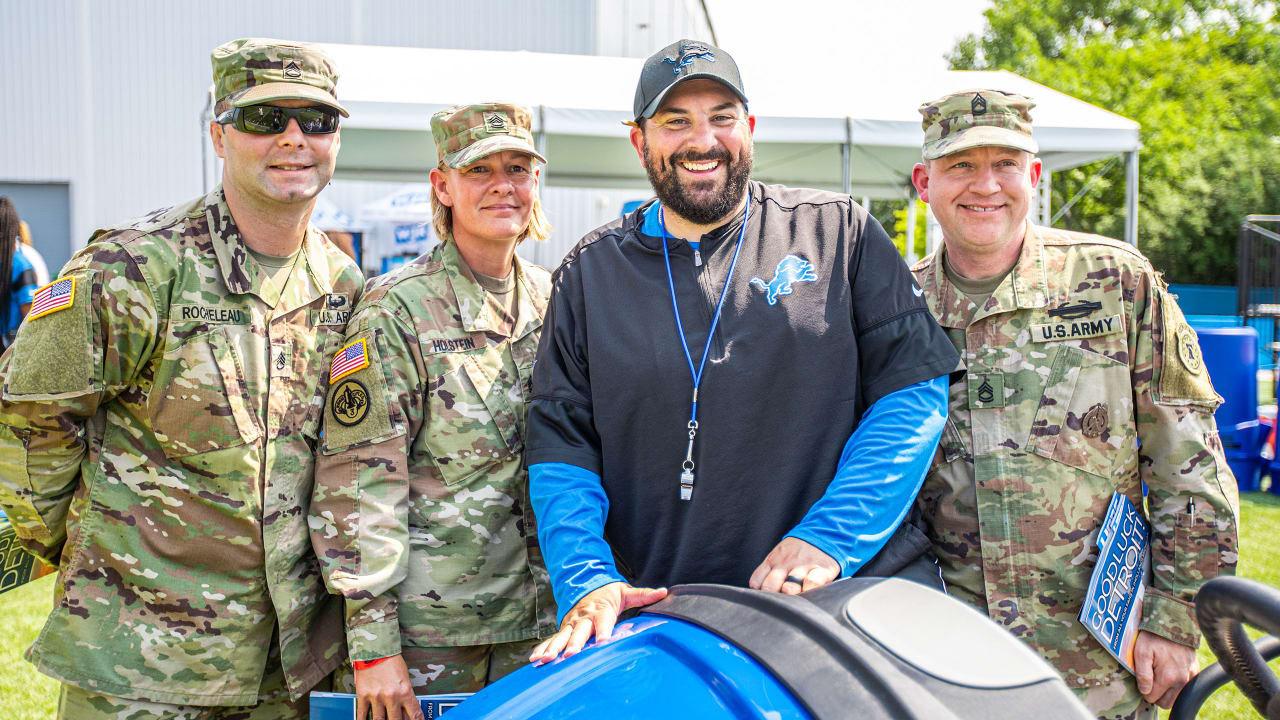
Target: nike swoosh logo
[{"x": 917, "y": 291}]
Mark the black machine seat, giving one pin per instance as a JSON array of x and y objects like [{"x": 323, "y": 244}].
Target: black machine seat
[{"x": 881, "y": 648}]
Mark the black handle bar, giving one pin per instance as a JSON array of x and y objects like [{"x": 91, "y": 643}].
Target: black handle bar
[{"x": 1223, "y": 605}]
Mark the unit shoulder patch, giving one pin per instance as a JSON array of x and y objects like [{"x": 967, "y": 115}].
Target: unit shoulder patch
[
  {"x": 1189, "y": 349},
  {"x": 350, "y": 402},
  {"x": 1183, "y": 376}
]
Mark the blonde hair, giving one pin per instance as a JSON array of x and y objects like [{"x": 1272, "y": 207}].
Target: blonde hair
[
  {"x": 539, "y": 228},
  {"x": 24, "y": 232}
]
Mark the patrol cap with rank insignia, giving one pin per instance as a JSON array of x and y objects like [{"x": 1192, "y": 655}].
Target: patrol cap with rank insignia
[
  {"x": 466, "y": 133},
  {"x": 251, "y": 71},
  {"x": 977, "y": 118}
]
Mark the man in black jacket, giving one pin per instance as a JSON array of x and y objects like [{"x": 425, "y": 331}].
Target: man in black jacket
[{"x": 736, "y": 383}]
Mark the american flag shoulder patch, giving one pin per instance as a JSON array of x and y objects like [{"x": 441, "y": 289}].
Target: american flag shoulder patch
[
  {"x": 349, "y": 359},
  {"x": 53, "y": 297}
]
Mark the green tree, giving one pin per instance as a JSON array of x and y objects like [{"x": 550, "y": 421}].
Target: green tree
[{"x": 1200, "y": 77}]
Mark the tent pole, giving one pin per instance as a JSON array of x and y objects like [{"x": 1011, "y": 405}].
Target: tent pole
[
  {"x": 1131, "y": 198},
  {"x": 846, "y": 179},
  {"x": 910, "y": 218},
  {"x": 1046, "y": 198},
  {"x": 540, "y": 139},
  {"x": 206, "y": 115}
]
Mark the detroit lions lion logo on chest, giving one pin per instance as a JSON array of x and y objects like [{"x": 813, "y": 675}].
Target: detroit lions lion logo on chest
[{"x": 792, "y": 269}]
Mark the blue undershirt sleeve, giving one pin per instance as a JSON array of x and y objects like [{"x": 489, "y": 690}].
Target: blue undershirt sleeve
[
  {"x": 570, "y": 505},
  {"x": 879, "y": 473}
]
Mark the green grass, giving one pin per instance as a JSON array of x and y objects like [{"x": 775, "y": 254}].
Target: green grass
[
  {"x": 26, "y": 693},
  {"x": 29, "y": 695}
]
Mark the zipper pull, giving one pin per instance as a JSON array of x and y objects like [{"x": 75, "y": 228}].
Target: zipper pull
[{"x": 697, "y": 259}]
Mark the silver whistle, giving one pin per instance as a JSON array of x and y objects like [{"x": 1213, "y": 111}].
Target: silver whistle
[{"x": 686, "y": 477}]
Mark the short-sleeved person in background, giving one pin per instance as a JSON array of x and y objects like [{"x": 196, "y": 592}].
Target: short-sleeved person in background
[
  {"x": 160, "y": 411},
  {"x": 1084, "y": 379},
  {"x": 737, "y": 383},
  {"x": 33, "y": 255},
  {"x": 18, "y": 279},
  {"x": 421, "y": 513}
]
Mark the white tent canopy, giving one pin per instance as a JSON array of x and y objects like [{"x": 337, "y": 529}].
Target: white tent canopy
[{"x": 855, "y": 132}]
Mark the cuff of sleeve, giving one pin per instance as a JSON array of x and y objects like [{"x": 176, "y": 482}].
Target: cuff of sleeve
[
  {"x": 1170, "y": 618},
  {"x": 581, "y": 591},
  {"x": 374, "y": 640},
  {"x": 366, "y": 664},
  {"x": 843, "y": 560}
]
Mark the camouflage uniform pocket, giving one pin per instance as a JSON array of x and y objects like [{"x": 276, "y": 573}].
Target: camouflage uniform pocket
[
  {"x": 472, "y": 420},
  {"x": 1085, "y": 418},
  {"x": 1194, "y": 555},
  {"x": 198, "y": 401}
]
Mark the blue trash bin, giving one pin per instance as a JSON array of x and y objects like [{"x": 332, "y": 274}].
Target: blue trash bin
[{"x": 1231, "y": 355}]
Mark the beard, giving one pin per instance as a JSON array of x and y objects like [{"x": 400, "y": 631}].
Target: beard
[{"x": 699, "y": 201}]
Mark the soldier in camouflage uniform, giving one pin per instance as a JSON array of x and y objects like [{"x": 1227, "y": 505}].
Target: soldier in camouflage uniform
[
  {"x": 158, "y": 421},
  {"x": 421, "y": 513},
  {"x": 1084, "y": 379}
]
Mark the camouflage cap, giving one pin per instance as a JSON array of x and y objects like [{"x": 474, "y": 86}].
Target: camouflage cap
[
  {"x": 974, "y": 118},
  {"x": 250, "y": 71},
  {"x": 465, "y": 133}
]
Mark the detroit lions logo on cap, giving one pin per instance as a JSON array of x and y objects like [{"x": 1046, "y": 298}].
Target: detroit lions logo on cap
[
  {"x": 689, "y": 53},
  {"x": 792, "y": 269}
]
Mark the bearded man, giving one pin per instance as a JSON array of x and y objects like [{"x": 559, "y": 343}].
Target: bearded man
[{"x": 736, "y": 383}]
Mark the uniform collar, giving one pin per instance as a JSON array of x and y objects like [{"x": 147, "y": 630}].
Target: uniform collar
[
  {"x": 242, "y": 273},
  {"x": 469, "y": 296},
  {"x": 648, "y": 227},
  {"x": 1023, "y": 288}
]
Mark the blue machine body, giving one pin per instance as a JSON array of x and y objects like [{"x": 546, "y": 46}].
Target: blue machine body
[
  {"x": 669, "y": 666},
  {"x": 867, "y": 648},
  {"x": 1231, "y": 355}
]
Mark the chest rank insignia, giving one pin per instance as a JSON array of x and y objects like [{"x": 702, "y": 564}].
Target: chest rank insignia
[
  {"x": 689, "y": 53},
  {"x": 1094, "y": 422},
  {"x": 1189, "y": 349},
  {"x": 352, "y": 358},
  {"x": 350, "y": 402},
  {"x": 986, "y": 390},
  {"x": 1084, "y": 308},
  {"x": 792, "y": 269}
]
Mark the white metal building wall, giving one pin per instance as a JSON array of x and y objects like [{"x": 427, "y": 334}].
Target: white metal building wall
[{"x": 107, "y": 96}]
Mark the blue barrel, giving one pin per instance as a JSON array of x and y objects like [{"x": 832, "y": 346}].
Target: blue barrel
[{"x": 1231, "y": 355}]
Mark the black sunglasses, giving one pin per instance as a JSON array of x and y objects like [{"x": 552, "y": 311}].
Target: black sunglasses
[{"x": 272, "y": 120}]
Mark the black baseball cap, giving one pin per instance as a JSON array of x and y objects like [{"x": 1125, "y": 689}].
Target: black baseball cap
[{"x": 680, "y": 61}]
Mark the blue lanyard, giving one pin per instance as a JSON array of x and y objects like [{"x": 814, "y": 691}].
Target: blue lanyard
[{"x": 686, "y": 475}]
